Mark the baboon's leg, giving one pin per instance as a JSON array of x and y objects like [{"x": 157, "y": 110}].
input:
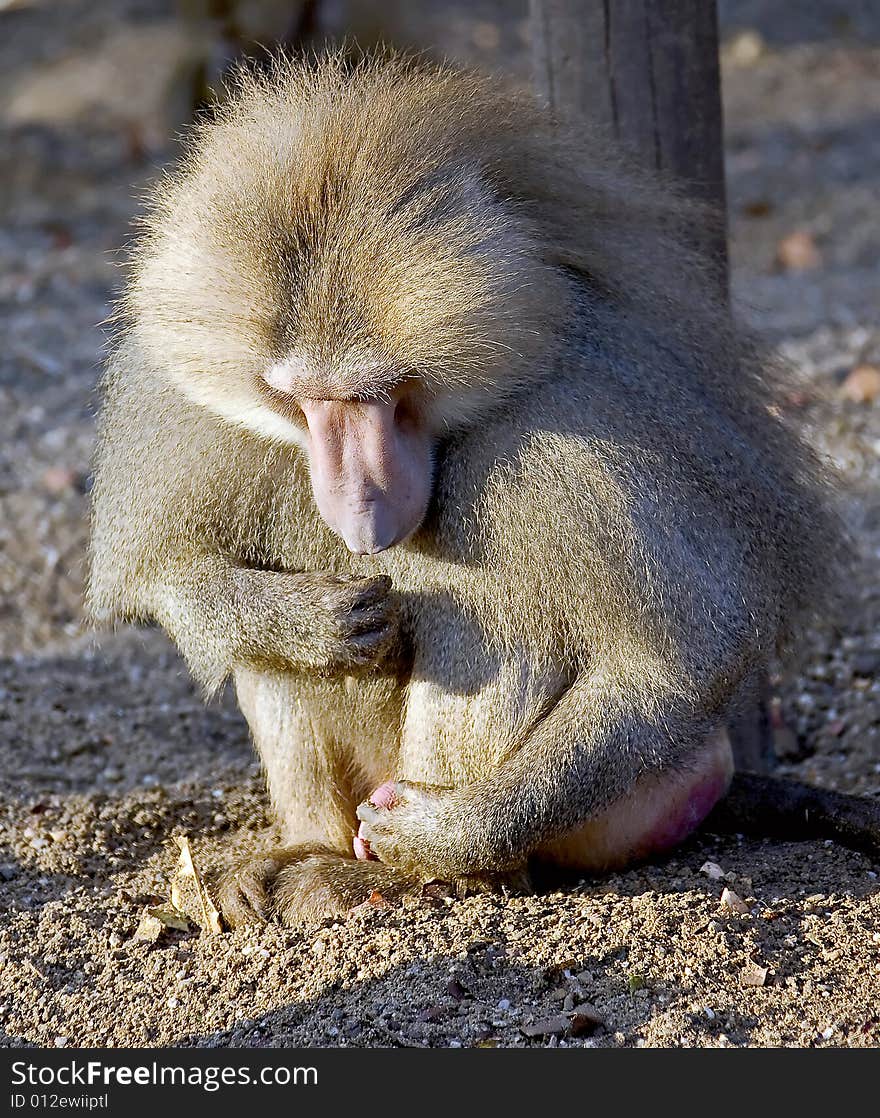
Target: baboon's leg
[{"x": 316, "y": 778}]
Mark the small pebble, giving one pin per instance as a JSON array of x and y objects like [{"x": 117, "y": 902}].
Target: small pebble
[
  {"x": 547, "y": 1026},
  {"x": 754, "y": 975},
  {"x": 149, "y": 929},
  {"x": 734, "y": 902},
  {"x": 798, "y": 252},
  {"x": 862, "y": 386},
  {"x": 746, "y": 48},
  {"x": 455, "y": 990},
  {"x": 58, "y": 479}
]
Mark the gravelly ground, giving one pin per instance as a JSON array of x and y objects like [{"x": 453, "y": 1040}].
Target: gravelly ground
[{"x": 106, "y": 752}]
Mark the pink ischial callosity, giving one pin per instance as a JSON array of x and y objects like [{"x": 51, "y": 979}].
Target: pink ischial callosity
[
  {"x": 371, "y": 470},
  {"x": 687, "y": 812},
  {"x": 657, "y": 814}
]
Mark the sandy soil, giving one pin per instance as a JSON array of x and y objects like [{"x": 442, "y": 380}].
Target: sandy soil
[{"x": 106, "y": 752}]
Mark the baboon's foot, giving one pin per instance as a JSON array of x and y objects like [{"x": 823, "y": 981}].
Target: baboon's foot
[
  {"x": 327, "y": 884},
  {"x": 294, "y": 884},
  {"x": 383, "y": 796},
  {"x": 245, "y": 893}
]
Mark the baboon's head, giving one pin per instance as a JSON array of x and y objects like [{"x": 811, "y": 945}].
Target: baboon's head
[{"x": 338, "y": 264}]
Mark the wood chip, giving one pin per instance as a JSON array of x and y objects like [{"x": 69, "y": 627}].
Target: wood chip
[{"x": 189, "y": 895}]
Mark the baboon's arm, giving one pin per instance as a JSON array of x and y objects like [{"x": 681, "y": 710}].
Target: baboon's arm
[
  {"x": 589, "y": 752},
  {"x": 586, "y": 753},
  {"x": 221, "y": 614}
]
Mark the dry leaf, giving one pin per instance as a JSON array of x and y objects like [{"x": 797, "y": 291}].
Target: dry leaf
[
  {"x": 170, "y": 917},
  {"x": 188, "y": 893}
]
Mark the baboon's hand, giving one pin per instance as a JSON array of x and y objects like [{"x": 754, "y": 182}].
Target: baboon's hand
[
  {"x": 347, "y": 624},
  {"x": 417, "y": 833}
]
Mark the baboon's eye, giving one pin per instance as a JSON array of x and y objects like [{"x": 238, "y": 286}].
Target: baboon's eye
[{"x": 406, "y": 413}]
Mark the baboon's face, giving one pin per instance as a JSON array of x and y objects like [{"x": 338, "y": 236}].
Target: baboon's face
[
  {"x": 370, "y": 456},
  {"x": 369, "y": 320}
]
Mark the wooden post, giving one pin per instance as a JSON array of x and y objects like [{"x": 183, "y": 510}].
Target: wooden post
[{"x": 647, "y": 72}]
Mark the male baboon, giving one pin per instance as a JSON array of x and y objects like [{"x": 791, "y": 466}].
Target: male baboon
[{"x": 425, "y": 428}]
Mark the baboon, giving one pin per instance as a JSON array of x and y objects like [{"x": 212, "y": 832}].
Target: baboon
[{"x": 425, "y": 426}]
